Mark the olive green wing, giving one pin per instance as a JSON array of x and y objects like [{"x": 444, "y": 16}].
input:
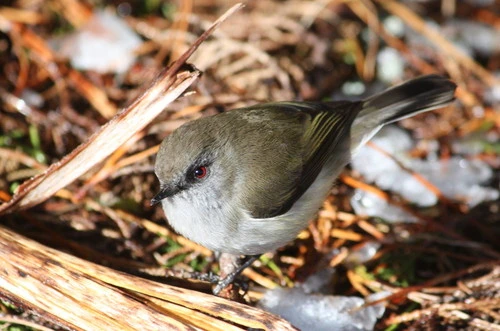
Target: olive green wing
[{"x": 328, "y": 124}]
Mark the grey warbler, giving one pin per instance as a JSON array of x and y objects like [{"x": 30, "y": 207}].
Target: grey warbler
[{"x": 247, "y": 181}]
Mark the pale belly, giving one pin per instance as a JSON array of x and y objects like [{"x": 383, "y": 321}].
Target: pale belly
[{"x": 228, "y": 229}]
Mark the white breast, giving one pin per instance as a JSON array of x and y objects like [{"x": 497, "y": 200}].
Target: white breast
[
  {"x": 207, "y": 221},
  {"x": 220, "y": 227}
]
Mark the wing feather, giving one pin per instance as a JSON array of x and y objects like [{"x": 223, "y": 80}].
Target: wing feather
[{"x": 328, "y": 126}]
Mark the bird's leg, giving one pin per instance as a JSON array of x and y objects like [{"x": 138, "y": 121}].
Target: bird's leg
[{"x": 231, "y": 266}]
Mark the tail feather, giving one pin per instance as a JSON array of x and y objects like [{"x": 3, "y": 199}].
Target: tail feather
[
  {"x": 410, "y": 98},
  {"x": 415, "y": 96}
]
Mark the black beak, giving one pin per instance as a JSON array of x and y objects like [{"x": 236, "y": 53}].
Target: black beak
[{"x": 165, "y": 192}]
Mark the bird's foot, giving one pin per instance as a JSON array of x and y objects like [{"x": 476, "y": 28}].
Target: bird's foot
[{"x": 231, "y": 267}]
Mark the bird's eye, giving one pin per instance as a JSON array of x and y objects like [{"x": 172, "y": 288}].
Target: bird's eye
[{"x": 200, "y": 172}]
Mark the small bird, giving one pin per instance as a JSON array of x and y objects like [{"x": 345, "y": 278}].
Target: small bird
[{"x": 247, "y": 181}]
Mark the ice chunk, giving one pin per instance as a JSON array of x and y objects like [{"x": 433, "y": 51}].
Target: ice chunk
[
  {"x": 386, "y": 173},
  {"x": 457, "y": 178},
  {"x": 390, "y": 65},
  {"x": 32, "y": 97},
  {"x": 353, "y": 88},
  {"x": 482, "y": 38},
  {"x": 395, "y": 26},
  {"x": 492, "y": 94},
  {"x": 306, "y": 309},
  {"x": 368, "y": 204},
  {"x": 316, "y": 312},
  {"x": 362, "y": 254},
  {"x": 319, "y": 281},
  {"x": 104, "y": 44}
]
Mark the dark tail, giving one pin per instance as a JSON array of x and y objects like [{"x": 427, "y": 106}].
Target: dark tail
[
  {"x": 415, "y": 96},
  {"x": 410, "y": 98}
]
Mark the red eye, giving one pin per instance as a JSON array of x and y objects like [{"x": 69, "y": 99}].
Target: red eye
[{"x": 200, "y": 172}]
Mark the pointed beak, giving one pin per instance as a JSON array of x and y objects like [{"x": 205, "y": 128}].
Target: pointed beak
[{"x": 165, "y": 192}]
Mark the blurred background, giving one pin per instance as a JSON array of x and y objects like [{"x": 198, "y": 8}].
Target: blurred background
[{"x": 415, "y": 215}]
